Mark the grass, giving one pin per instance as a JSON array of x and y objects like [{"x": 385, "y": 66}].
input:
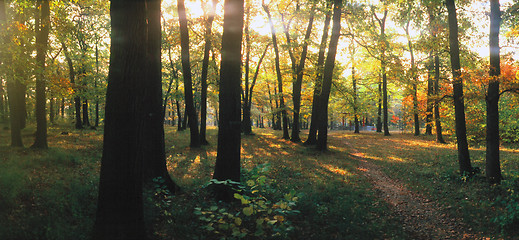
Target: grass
[{"x": 52, "y": 194}]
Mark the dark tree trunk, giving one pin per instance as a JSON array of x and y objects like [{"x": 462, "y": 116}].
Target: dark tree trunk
[
  {"x": 379, "y": 112},
  {"x": 354, "y": 83},
  {"x": 205, "y": 68},
  {"x": 457, "y": 82},
  {"x": 15, "y": 92},
  {"x": 96, "y": 124},
  {"x": 279, "y": 77},
  {"x": 384, "y": 99},
  {"x": 430, "y": 96},
  {"x": 227, "y": 164},
  {"x": 42, "y": 38},
  {"x": 414, "y": 81},
  {"x": 86, "y": 121},
  {"x": 493, "y": 166},
  {"x": 322, "y": 137},
  {"x": 188, "y": 82},
  {"x": 62, "y": 108},
  {"x": 296, "y": 96},
  {"x": 248, "y": 98},
  {"x": 120, "y": 204},
  {"x": 314, "y": 120},
  {"x": 437, "y": 119},
  {"x": 153, "y": 134},
  {"x": 72, "y": 76},
  {"x": 246, "y": 121},
  {"x": 52, "y": 114},
  {"x": 383, "y": 67}
]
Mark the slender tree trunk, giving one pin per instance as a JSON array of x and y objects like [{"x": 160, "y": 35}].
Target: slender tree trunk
[
  {"x": 314, "y": 120},
  {"x": 153, "y": 134},
  {"x": 246, "y": 121},
  {"x": 430, "y": 96},
  {"x": 51, "y": 110},
  {"x": 493, "y": 166},
  {"x": 296, "y": 96},
  {"x": 227, "y": 164},
  {"x": 379, "y": 112},
  {"x": 205, "y": 68},
  {"x": 459, "y": 106},
  {"x": 62, "y": 108},
  {"x": 72, "y": 76},
  {"x": 279, "y": 77},
  {"x": 96, "y": 124},
  {"x": 437, "y": 119},
  {"x": 42, "y": 38},
  {"x": 328, "y": 76},
  {"x": 188, "y": 82},
  {"x": 414, "y": 83},
  {"x": 86, "y": 121},
  {"x": 246, "y": 111},
  {"x": 384, "y": 99},
  {"x": 120, "y": 204},
  {"x": 354, "y": 83}
]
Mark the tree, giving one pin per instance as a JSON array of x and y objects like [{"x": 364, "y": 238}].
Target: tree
[
  {"x": 42, "y": 38},
  {"x": 457, "y": 83},
  {"x": 328, "y": 76},
  {"x": 383, "y": 67},
  {"x": 315, "y": 118},
  {"x": 205, "y": 68},
  {"x": 186, "y": 73},
  {"x": 120, "y": 203},
  {"x": 227, "y": 164},
  {"x": 493, "y": 169},
  {"x": 278, "y": 75},
  {"x": 298, "y": 72}
]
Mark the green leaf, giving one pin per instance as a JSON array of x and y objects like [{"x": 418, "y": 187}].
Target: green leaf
[{"x": 248, "y": 211}]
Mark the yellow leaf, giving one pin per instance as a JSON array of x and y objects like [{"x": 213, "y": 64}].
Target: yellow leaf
[
  {"x": 248, "y": 211},
  {"x": 237, "y": 221}
]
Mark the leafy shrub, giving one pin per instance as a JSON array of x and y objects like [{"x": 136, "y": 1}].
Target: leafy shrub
[
  {"x": 257, "y": 214},
  {"x": 509, "y": 202}
]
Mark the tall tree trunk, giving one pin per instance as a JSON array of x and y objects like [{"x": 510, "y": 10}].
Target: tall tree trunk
[
  {"x": 296, "y": 96},
  {"x": 279, "y": 77},
  {"x": 52, "y": 112},
  {"x": 186, "y": 70},
  {"x": 437, "y": 119},
  {"x": 383, "y": 67},
  {"x": 42, "y": 38},
  {"x": 430, "y": 96},
  {"x": 414, "y": 79},
  {"x": 314, "y": 120},
  {"x": 354, "y": 83},
  {"x": 96, "y": 124},
  {"x": 227, "y": 164},
  {"x": 379, "y": 111},
  {"x": 457, "y": 82},
  {"x": 153, "y": 134},
  {"x": 205, "y": 68},
  {"x": 86, "y": 121},
  {"x": 72, "y": 76},
  {"x": 120, "y": 204},
  {"x": 246, "y": 121},
  {"x": 329, "y": 65},
  {"x": 493, "y": 166},
  {"x": 15, "y": 92},
  {"x": 248, "y": 99}
]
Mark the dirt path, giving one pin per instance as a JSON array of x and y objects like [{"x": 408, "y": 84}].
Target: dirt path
[{"x": 421, "y": 217}]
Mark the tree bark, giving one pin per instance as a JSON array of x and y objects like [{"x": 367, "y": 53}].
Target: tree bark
[
  {"x": 437, "y": 119},
  {"x": 42, "y": 38},
  {"x": 248, "y": 98},
  {"x": 414, "y": 83},
  {"x": 205, "y": 68},
  {"x": 354, "y": 83},
  {"x": 430, "y": 96},
  {"x": 15, "y": 93},
  {"x": 120, "y": 204},
  {"x": 314, "y": 120},
  {"x": 328, "y": 77},
  {"x": 227, "y": 164},
  {"x": 188, "y": 82},
  {"x": 493, "y": 166},
  {"x": 279, "y": 77},
  {"x": 296, "y": 96},
  {"x": 72, "y": 76},
  {"x": 459, "y": 106}
]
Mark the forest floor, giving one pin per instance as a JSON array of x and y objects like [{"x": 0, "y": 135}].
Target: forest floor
[{"x": 367, "y": 186}]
